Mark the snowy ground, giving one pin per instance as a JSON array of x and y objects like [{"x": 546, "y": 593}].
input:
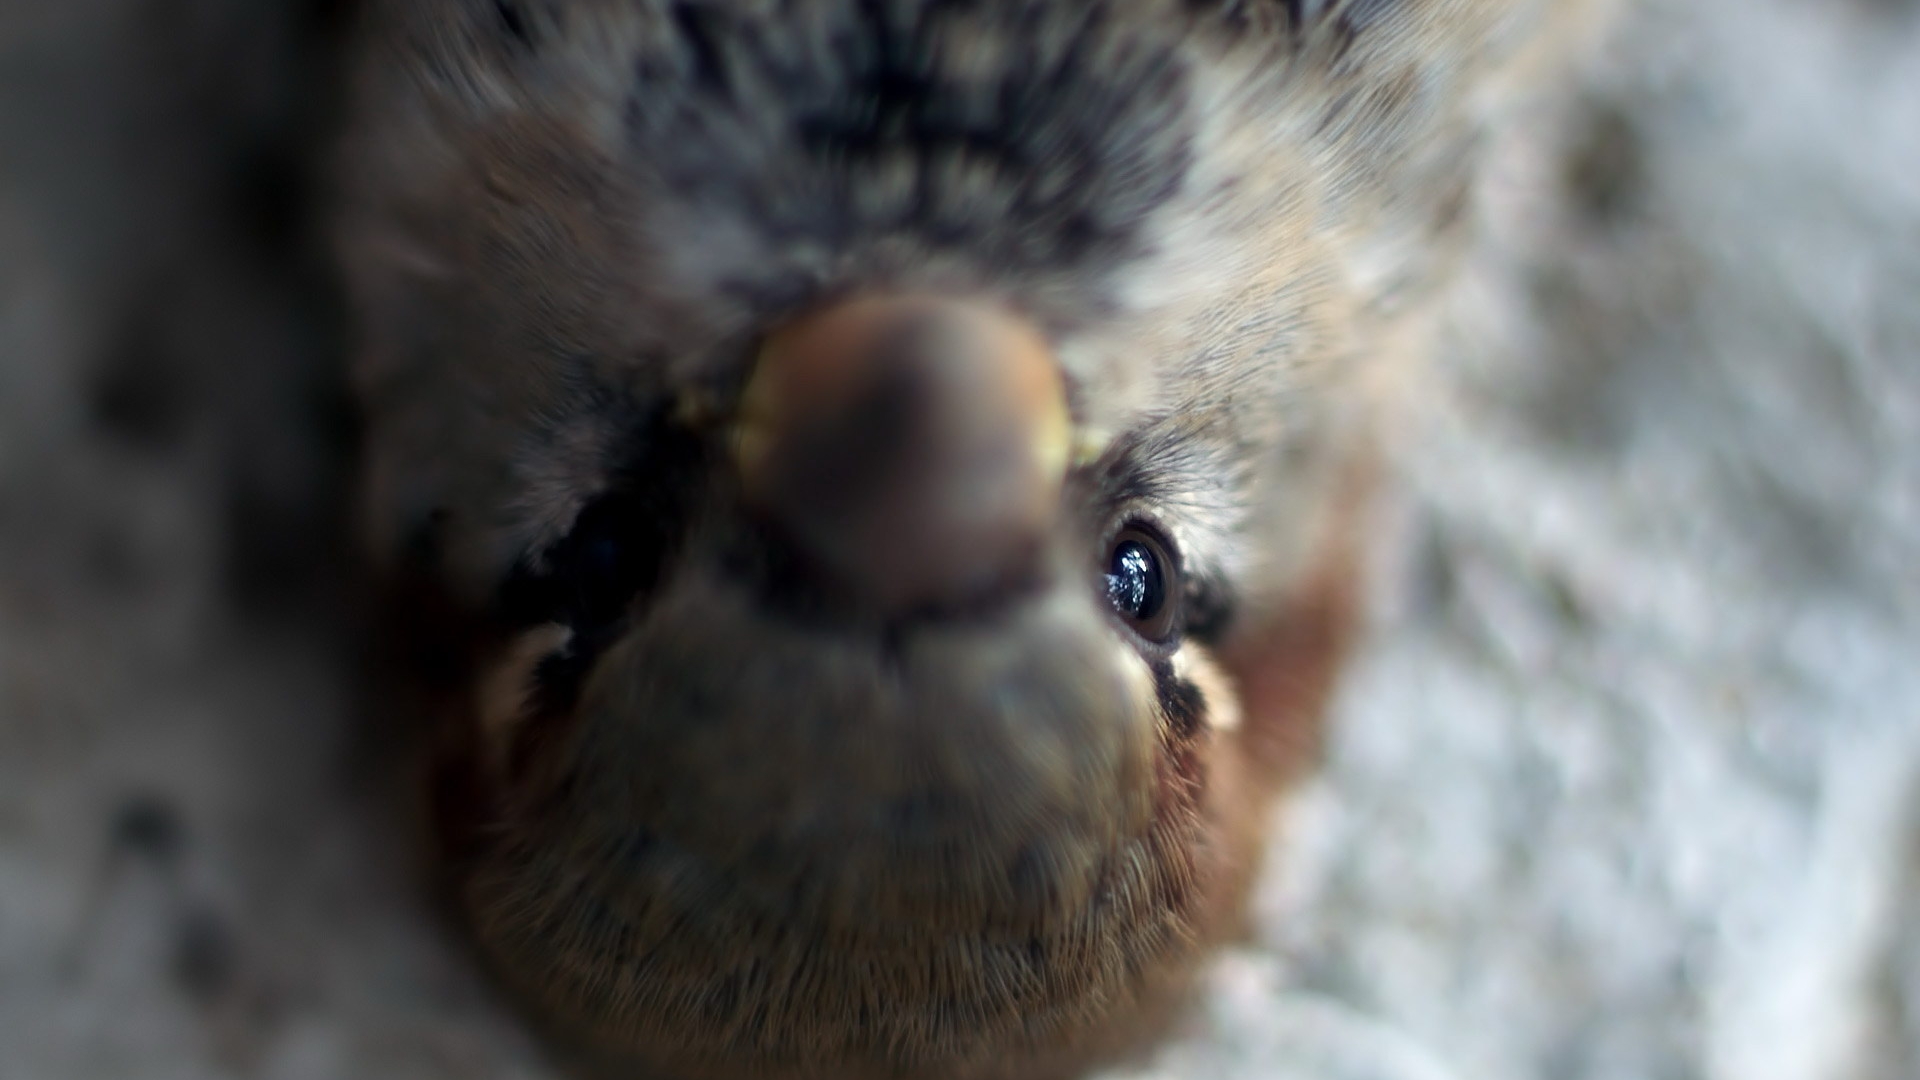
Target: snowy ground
[{"x": 1626, "y": 786}]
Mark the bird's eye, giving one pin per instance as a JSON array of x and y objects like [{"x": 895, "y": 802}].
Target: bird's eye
[
  {"x": 588, "y": 579},
  {"x": 1142, "y": 583},
  {"x": 598, "y": 563},
  {"x": 620, "y": 545}
]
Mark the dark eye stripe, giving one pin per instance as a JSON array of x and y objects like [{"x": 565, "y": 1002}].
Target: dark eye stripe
[
  {"x": 557, "y": 681},
  {"x": 1182, "y": 702},
  {"x": 1209, "y": 609},
  {"x": 620, "y": 546}
]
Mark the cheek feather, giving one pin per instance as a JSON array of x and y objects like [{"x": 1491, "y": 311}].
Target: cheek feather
[{"x": 1197, "y": 667}]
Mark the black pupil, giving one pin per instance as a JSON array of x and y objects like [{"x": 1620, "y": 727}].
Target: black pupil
[
  {"x": 1134, "y": 583},
  {"x": 592, "y": 575}
]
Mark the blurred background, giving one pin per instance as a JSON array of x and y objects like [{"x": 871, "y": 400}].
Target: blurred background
[{"x": 1625, "y": 785}]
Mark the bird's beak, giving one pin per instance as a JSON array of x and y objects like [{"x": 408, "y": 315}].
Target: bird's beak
[{"x": 916, "y": 447}]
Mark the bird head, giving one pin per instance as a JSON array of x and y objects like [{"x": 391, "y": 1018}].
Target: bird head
[{"x": 873, "y": 451}]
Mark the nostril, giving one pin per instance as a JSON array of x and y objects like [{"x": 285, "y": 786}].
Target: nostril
[{"x": 914, "y": 448}]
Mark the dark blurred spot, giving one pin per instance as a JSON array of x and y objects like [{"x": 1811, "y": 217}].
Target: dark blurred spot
[
  {"x": 459, "y": 802},
  {"x": 1895, "y": 9},
  {"x": 927, "y": 815},
  {"x": 269, "y": 198},
  {"x": 1255, "y": 16},
  {"x": 1436, "y": 581},
  {"x": 1184, "y": 706},
  {"x": 1565, "y": 602},
  {"x": 638, "y": 847},
  {"x": 1451, "y": 209},
  {"x": 723, "y": 998},
  {"x": 1208, "y": 610},
  {"x": 285, "y": 500},
  {"x": 1796, "y": 534},
  {"x": 1357, "y": 16},
  {"x": 147, "y": 825},
  {"x": 331, "y": 16},
  {"x": 513, "y": 23},
  {"x": 114, "y": 562},
  {"x": 426, "y": 541},
  {"x": 1032, "y": 879},
  {"x": 698, "y": 27},
  {"x": 787, "y": 582},
  {"x": 1583, "y": 402},
  {"x": 204, "y": 956},
  {"x": 587, "y": 913},
  {"x": 558, "y": 680},
  {"x": 139, "y": 392},
  {"x": 1606, "y": 169},
  {"x": 267, "y": 559},
  {"x": 422, "y": 630},
  {"x": 1350, "y": 21}
]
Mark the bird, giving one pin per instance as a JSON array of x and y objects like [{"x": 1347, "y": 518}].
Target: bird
[{"x": 884, "y": 487}]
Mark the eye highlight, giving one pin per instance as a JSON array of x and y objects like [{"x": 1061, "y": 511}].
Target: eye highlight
[{"x": 1142, "y": 583}]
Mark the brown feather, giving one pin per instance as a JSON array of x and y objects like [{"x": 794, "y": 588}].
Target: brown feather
[{"x": 737, "y": 818}]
